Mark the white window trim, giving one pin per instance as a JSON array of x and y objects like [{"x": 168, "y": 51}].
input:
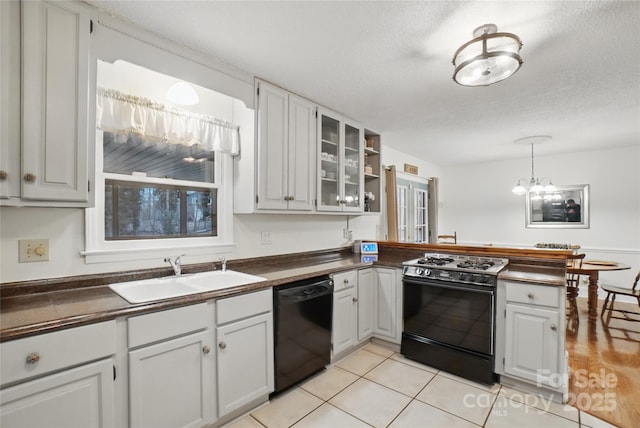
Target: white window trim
[{"x": 98, "y": 250}]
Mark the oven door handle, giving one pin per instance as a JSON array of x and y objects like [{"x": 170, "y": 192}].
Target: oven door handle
[{"x": 458, "y": 286}]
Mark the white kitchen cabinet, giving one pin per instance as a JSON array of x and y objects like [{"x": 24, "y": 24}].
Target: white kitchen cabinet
[
  {"x": 79, "y": 397},
  {"x": 9, "y": 99},
  {"x": 286, "y": 150},
  {"x": 58, "y": 107},
  {"x": 532, "y": 334},
  {"x": 171, "y": 368},
  {"x": 386, "y": 295},
  {"x": 344, "y": 331},
  {"x": 60, "y": 379},
  {"x": 245, "y": 349},
  {"x": 367, "y": 284},
  {"x": 340, "y": 164}
]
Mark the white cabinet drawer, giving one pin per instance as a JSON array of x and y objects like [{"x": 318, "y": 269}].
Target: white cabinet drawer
[
  {"x": 345, "y": 280},
  {"x": 533, "y": 294},
  {"x": 38, "y": 355},
  {"x": 243, "y": 306},
  {"x": 163, "y": 325}
]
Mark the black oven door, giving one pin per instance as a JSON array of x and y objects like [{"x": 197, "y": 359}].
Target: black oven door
[
  {"x": 451, "y": 314},
  {"x": 449, "y": 326}
]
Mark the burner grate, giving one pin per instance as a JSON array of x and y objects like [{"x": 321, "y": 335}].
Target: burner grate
[{"x": 435, "y": 261}]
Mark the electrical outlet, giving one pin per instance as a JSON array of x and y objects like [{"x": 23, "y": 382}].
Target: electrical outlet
[
  {"x": 33, "y": 250},
  {"x": 346, "y": 234},
  {"x": 265, "y": 238}
]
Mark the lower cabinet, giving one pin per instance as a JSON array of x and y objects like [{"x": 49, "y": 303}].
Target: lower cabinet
[
  {"x": 60, "y": 379},
  {"x": 367, "y": 284},
  {"x": 530, "y": 335},
  {"x": 366, "y": 303},
  {"x": 387, "y": 297},
  {"x": 79, "y": 397},
  {"x": 344, "y": 330},
  {"x": 245, "y": 349},
  {"x": 170, "y": 383},
  {"x": 171, "y": 368},
  {"x": 532, "y": 345}
]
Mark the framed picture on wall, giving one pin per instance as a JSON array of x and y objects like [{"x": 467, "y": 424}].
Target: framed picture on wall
[{"x": 567, "y": 208}]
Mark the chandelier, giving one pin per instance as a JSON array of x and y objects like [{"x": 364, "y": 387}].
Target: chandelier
[
  {"x": 489, "y": 58},
  {"x": 539, "y": 187}
]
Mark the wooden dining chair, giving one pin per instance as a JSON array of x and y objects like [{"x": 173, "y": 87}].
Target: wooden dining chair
[
  {"x": 447, "y": 239},
  {"x": 573, "y": 282},
  {"x": 613, "y": 291}
]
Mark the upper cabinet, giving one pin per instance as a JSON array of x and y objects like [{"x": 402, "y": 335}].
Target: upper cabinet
[
  {"x": 51, "y": 162},
  {"x": 306, "y": 159},
  {"x": 340, "y": 163},
  {"x": 286, "y": 150}
]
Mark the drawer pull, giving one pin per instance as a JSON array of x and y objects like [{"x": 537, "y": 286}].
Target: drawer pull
[
  {"x": 33, "y": 358},
  {"x": 346, "y": 281},
  {"x": 3, "y": 175},
  {"x": 222, "y": 345},
  {"x": 355, "y": 299},
  {"x": 530, "y": 295},
  {"x": 554, "y": 327},
  {"x": 206, "y": 349}
]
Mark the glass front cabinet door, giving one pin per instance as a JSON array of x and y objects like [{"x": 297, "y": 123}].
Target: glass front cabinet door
[{"x": 340, "y": 164}]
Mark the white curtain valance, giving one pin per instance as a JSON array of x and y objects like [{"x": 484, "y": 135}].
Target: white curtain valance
[{"x": 121, "y": 113}]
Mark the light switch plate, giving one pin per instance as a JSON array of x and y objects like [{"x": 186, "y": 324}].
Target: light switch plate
[{"x": 33, "y": 250}]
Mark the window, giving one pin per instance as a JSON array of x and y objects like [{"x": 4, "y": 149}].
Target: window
[
  {"x": 138, "y": 209},
  {"x": 161, "y": 191}
]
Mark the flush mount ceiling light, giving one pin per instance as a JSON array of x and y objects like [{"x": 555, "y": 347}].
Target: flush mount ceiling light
[
  {"x": 489, "y": 58},
  {"x": 183, "y": 94},
  {"x": 539, "y": 187}
]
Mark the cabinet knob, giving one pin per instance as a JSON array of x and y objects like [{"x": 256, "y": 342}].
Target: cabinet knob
[
  {"x": 206, "y": 349},
  {"x": 3, "y": 175},
  {"x": 29, "y": 178},
  {"x": 355, "y": 299},
  {"x": 222, "y": 345},
  {"x": 346, "y": 281},
  {"x": 530, "y": 295},
  {"x": 554, "y": 327},
  {"x": 33, "y": 358}
]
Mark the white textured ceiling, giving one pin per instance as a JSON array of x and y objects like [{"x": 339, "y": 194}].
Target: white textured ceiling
[{"x": 388, "y": 65}]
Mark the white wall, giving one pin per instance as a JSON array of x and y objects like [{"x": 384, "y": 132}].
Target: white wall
[
  {"x": 64, "y": 227},
  {"x": 476, "y": 201}
]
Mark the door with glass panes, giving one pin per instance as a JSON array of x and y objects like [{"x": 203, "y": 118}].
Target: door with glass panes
[{"x": 413, "y": 211}]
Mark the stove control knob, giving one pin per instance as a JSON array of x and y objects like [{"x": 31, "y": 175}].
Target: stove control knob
[
  {"x": 462, "y": 276},
  {"x": 419, "y": 271}
]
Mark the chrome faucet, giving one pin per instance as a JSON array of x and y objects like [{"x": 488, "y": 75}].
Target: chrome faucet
[
  {"x": 223, "y": 263},
  {"x": 176, "y": 264}
]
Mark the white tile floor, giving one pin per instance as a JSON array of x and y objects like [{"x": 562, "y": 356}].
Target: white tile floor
[{"x": 375, "y": 387}]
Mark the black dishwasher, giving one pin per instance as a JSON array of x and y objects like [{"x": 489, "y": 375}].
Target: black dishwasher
[{"x": 302, "y": 330}]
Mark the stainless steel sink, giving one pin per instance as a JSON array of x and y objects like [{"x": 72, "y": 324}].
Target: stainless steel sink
[{"x": 149, "y": 290}]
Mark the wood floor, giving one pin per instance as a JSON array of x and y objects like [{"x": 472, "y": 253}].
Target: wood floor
[{"x": 604, "y": 365}]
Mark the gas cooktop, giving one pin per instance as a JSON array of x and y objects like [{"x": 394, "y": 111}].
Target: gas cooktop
[{"x": 462, "y": 263}]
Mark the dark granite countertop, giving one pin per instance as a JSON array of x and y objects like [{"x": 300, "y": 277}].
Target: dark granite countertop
[{"x": 36, "y": 308}]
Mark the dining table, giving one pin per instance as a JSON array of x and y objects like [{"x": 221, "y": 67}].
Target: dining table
[{"x": 592, "y": 269}]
